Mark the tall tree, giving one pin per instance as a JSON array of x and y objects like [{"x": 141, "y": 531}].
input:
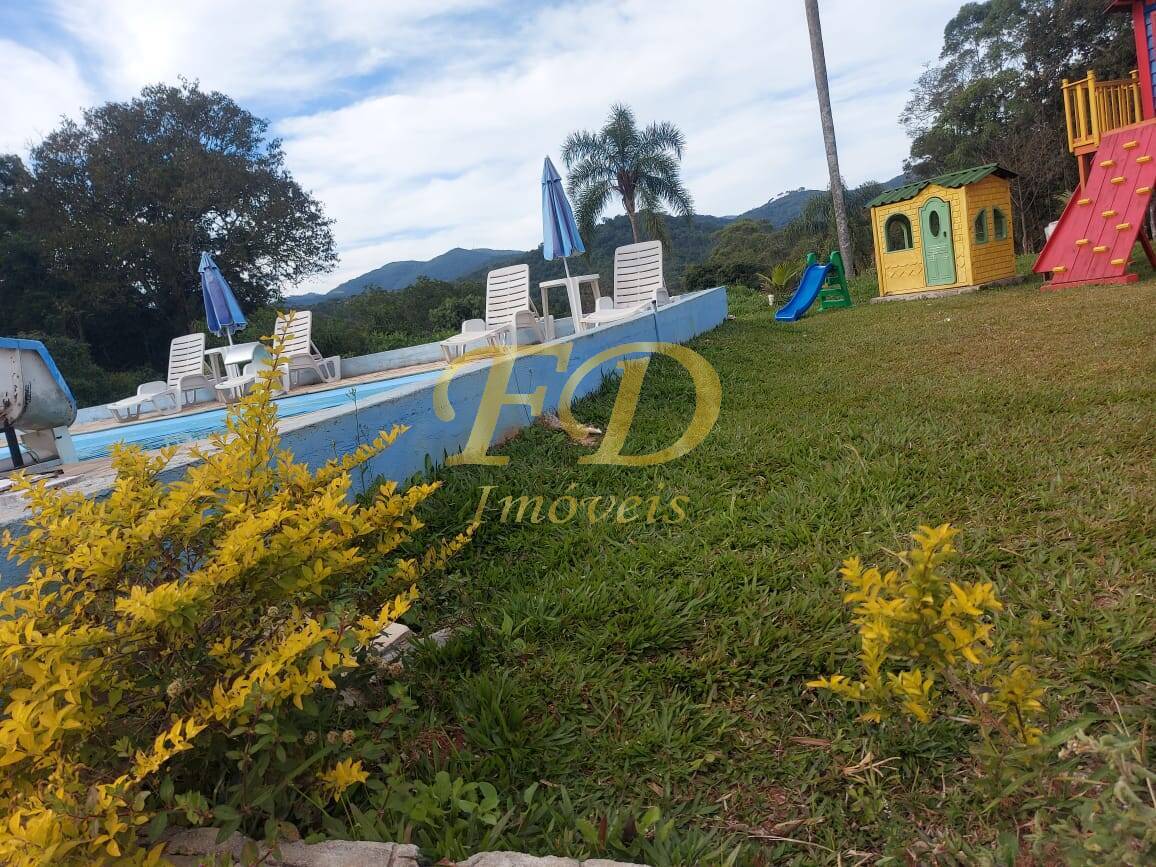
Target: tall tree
[
  {"x": 827, "y": 118},
  {"x": 995, "y": 95},
  {"x": 125, "y": 200},
  {"x": 32, "y": 299},
  {"x": 640, "y": 166}
]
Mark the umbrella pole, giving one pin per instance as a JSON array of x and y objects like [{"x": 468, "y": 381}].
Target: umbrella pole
[{"x": 572, "y": 296}]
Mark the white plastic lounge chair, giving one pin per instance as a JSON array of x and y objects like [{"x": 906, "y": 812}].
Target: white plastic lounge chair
[
  {"x": 473, "y": 331},
  {"x": 235, "y": 387},
  {"x": 157, "y": 392},
  {"x": 508, "y": 309},
  {"x": 638, "y": 284},
  {"x": 186, "y": 375},
  {"x": 299, "y": 351}
]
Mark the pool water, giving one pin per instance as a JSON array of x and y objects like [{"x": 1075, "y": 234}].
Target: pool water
[{"x": 160, "y": 431}]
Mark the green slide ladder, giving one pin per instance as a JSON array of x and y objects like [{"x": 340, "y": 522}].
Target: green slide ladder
[{"x": 834, "y": 295}]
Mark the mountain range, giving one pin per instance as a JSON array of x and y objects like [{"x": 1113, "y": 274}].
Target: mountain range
[
  {"x": 785, "y": 207},
  {"x": 392, "y": 276},
  {"x": 781, "y": 209},
  {"x": 458, "y": 262}
]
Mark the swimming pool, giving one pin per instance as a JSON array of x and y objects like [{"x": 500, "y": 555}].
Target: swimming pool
[{"x": 160, "y": 431}]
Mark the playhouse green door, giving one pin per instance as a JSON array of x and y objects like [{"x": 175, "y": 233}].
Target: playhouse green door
[{"x": 938, "y": 249}]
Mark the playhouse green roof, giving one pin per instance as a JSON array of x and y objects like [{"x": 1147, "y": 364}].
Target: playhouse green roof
[{"x": 951, "y": 180}]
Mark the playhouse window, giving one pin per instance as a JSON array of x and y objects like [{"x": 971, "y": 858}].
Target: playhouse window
[
  {"x": 999, "y": 222},
  {"x": 981, "y": 227},
  {"x": 897, "y": 230}
]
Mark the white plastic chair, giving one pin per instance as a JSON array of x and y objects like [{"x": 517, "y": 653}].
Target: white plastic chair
[
  {"x": 300, "y": 353},
  {"x": 639, "y": 285},
  {"x": 186, "y": 375},
  {"x": 235, "y": 387},
  {"x": 473, "y": 331},
  {"x": 508, "y": 309}
]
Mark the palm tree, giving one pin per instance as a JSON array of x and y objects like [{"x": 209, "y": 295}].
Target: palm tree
[
  {"x": 819, "y": 62},
  {"x": 641, "y": 166}
]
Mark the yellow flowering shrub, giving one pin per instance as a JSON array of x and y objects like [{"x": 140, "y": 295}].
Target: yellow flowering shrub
[
  {"x": 168, "y": 615},
  {"x": 918, "y": 628}
]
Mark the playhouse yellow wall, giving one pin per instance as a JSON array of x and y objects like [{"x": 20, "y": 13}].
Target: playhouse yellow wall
[
  {"x": 901, "y": 272},
  {"x": 995, "y": 260}
]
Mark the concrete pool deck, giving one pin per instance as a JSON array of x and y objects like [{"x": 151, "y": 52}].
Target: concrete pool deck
[{"x": 576, "y": 363}]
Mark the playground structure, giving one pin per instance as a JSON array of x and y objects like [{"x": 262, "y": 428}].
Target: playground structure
[
  {"x": 826, "y": 281},
  {"x": 946, "y": 232},
  {"x": 1111, "y": 128}
]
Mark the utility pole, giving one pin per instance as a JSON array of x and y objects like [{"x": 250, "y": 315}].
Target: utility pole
[{"x": 819, "y": 61}]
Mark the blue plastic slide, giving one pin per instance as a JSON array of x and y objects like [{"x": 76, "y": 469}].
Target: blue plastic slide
[{"x": 813, "y": 279}]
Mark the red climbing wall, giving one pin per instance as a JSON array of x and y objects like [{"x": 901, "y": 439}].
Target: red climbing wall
[{"x": 1095, "y": 236}]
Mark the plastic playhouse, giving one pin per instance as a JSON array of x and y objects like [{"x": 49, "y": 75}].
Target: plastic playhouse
[
  {"x": 1111, "y": 128},
  {"x": 826, "y": 281},
  {"x": 947, "y": 232}
]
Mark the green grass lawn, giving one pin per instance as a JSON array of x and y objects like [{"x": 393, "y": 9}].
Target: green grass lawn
[{"x": 627, "y": 666}]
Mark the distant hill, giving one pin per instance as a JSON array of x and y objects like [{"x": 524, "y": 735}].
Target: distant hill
[
  {"x": 898, "y": 181},
  {"x": 451, "y": 265},
  {"x": 785, "y": 207}
]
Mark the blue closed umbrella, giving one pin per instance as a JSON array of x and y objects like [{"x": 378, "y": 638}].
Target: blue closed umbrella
[
  {"x": 560, "y": 236},
  {"x": 222, "y": 312}
]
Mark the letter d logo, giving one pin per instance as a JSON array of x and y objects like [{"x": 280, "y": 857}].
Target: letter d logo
[{"x": 707, "y": 402}]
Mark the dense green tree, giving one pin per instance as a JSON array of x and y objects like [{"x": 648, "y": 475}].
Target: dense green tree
[
  {"x": 753, "y": 241},
  {"x": 741, "y": 251},
  {"x": 125, "y": 200},
  {"x": 30, "y": 294},
  {"x": 995, "y": 95},
  {"x": 376, "y": 320},
  {"x": 453, "y": 311},
  {"x": 640, "y": 166}
]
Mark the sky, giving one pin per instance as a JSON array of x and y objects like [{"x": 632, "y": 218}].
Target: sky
[{"x": 421, "y": 124}]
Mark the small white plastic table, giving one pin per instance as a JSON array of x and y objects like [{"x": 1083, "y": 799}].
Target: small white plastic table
[
  {"x": 230, "y": 359},
  {"x": 573, "y": 294}
]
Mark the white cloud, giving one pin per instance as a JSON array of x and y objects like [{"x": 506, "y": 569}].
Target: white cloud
[
  {"x": 255, "y": 48},
  {"x": 35, "y": 90},
  {"x": 736, "y": 76},
  {"x": 437, "y": 114}
]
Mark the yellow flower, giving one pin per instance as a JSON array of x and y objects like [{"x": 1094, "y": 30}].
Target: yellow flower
[{"x": 341, "y": 776}]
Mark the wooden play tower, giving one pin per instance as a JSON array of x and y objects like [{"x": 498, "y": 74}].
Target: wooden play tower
[{"x": 1111, "y": 127}]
